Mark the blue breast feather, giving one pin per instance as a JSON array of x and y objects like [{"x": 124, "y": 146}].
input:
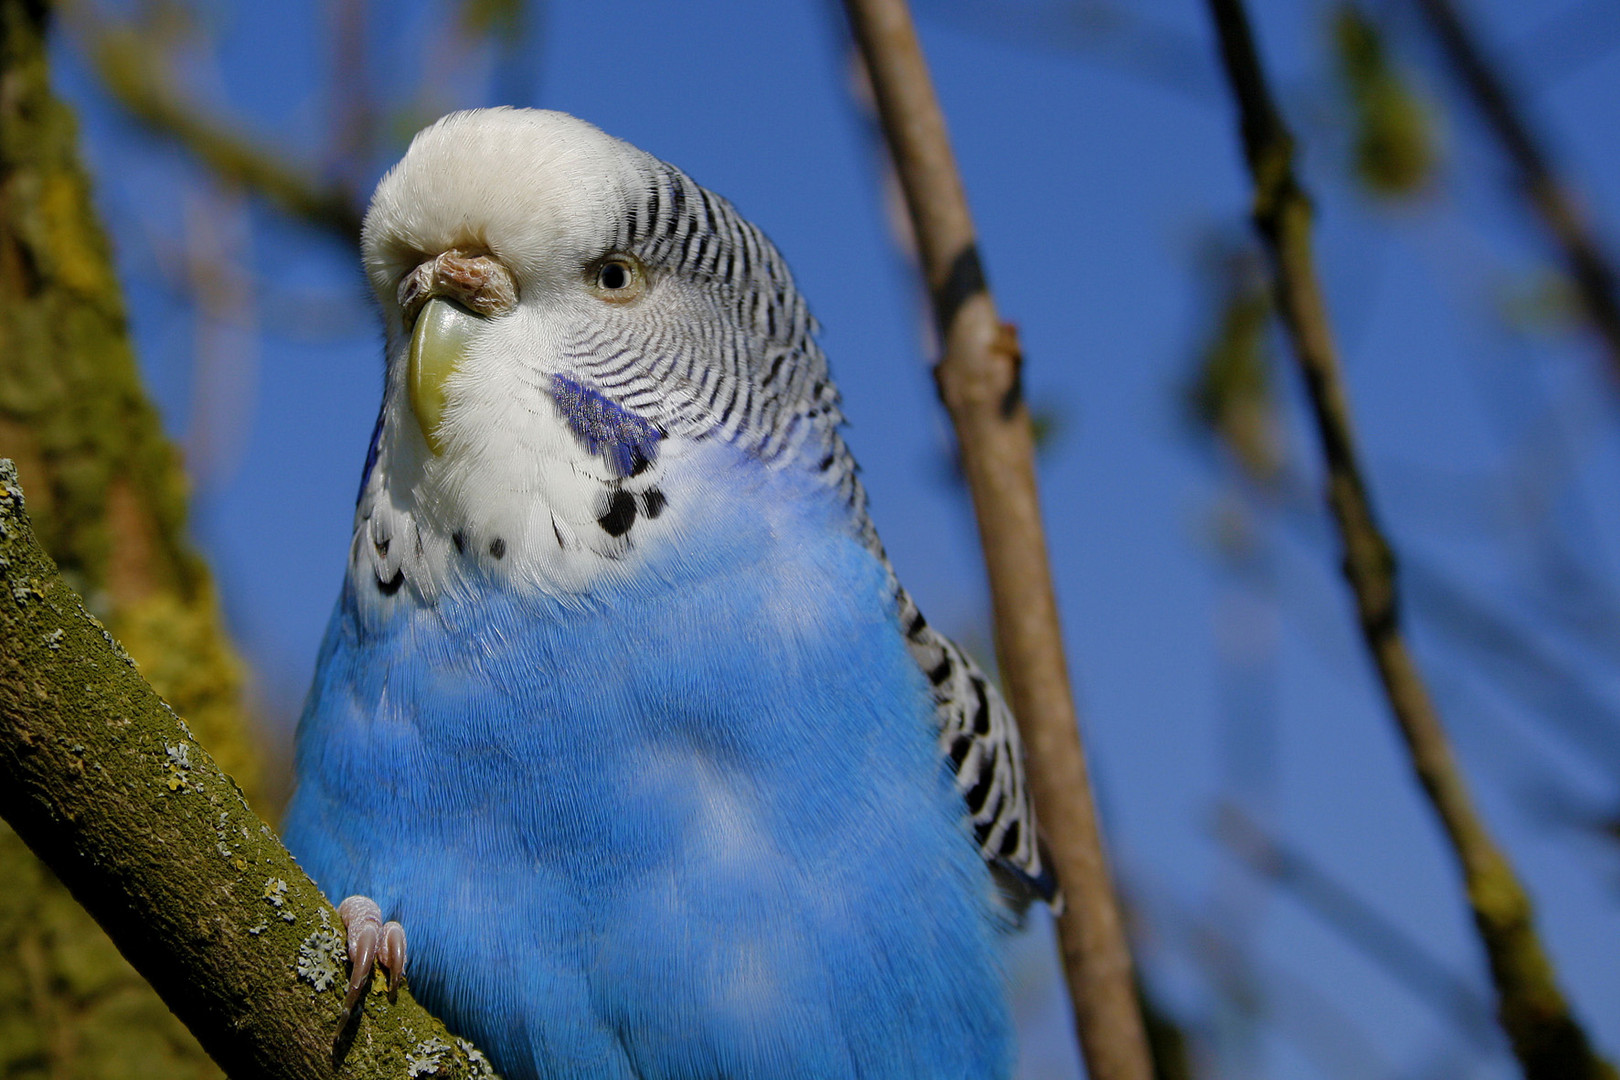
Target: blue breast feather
[{"x": 699, "y": 829}]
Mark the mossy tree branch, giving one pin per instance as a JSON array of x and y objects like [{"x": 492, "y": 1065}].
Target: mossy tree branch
[
  {"x": 113, "y": 791},
  {"x": 979, "y": 381},
  {"x": 1546, "y": 1038}
]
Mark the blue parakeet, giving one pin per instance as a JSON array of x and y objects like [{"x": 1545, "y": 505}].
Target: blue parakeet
[{"x": 622, "y": 717}]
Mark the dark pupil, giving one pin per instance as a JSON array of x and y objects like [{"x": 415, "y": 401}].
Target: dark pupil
[{"x": 615, "y": 276}]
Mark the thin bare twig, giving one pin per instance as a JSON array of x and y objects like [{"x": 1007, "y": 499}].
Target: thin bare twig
[
  {"x": 1585, "y": 259},
  {"x": 978, "y": 376},
  {"x": 1548, "y": 1041}
]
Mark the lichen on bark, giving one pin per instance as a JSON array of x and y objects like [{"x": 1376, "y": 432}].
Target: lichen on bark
[{"x": 107, "y": 782}]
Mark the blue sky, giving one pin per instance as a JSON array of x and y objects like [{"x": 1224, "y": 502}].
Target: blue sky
[{"x": 1095, "y": 176}]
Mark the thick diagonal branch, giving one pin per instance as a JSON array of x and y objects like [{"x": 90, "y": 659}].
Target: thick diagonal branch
[
  {"x": 1548, "y": 1041},
  {"x": 978, "y": 377},
  {"x": 112, "y": 791},
  {"x": 1585, "y": 259}
]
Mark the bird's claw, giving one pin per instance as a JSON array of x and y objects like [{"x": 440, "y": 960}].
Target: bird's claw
[{"x": 371, "y": 943}]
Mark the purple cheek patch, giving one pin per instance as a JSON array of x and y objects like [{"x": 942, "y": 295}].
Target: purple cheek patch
[{"x": 628, "y": 442}]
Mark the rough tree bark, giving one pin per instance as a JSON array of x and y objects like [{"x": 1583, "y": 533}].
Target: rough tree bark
[
  {"x": 1546, "y": 1037},
  {"x": 113, "y": 789},
  {"x": 979, "y": 380}
]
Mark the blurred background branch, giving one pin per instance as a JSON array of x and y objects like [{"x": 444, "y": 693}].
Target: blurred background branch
[
  {"x": 1384, "y": 941},
  {"x": 1588, "y": 263},
  {"x": 137, "y": 72},
  {"x": 1549, "y": 1042}
]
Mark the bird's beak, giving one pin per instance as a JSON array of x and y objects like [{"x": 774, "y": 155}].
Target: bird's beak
[{"x": 438, "y": 343}]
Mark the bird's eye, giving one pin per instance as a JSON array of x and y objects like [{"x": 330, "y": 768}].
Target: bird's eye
[{"x": 618, "y": 278}]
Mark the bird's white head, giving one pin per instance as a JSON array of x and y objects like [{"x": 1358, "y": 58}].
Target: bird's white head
[{"x": 566, "y": 318}]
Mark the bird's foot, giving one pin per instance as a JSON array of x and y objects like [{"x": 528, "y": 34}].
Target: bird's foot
[{"x": 372, "y": 942}]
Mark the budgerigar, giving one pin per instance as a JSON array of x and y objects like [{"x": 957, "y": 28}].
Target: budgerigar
[{"x": 623, "y": 718}]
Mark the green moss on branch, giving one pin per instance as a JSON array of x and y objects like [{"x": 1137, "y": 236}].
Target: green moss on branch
[{"x": 114, "y": 792}]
